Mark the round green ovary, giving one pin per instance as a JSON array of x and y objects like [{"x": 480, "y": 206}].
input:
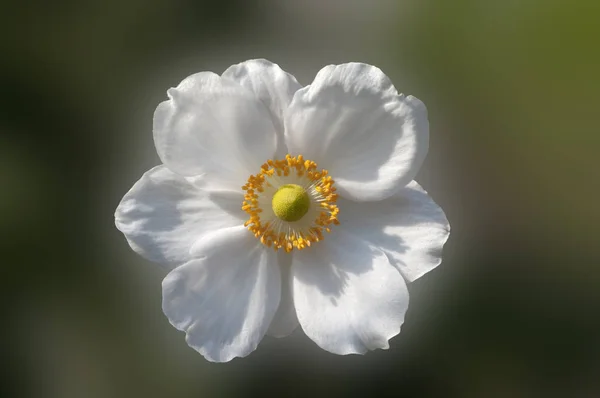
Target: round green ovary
[{"x": 290, "y": 202}]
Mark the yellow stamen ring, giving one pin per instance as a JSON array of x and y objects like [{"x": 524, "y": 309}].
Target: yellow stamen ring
[{"x": 290, "y": 203}]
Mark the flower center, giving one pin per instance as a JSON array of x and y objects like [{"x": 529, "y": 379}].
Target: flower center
[{"x": 290, "y": 203}]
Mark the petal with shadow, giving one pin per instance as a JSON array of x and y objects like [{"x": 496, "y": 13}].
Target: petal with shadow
[
  {"x": 214, "y": 127},
  {"x": 226, "y": 298},
  {"x": 272, "y": 86},
  {"x": 352, "y": 122},
  {"x": 349, "y": 299},
  {"x": 163, "y": 214},
  {"x": 410, "y": 228},
  {"x": 285, "y": 320}
]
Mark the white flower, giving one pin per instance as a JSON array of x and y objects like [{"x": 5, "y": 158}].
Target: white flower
[{"x": 351, "y": 224}]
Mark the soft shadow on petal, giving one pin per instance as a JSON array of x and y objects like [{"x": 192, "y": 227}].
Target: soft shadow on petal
[
  {"x": 213, "y": 126},
  {"x": 285, "y": 320},
  {"x": 410, "y": 228},
  {"x": 352, "y": 121},
  {"x": 163, "y": 214},
  {"x": 224, "y": 300},
  {"x": 348, "y": 297},
  {"x": 272, "y": 86}
]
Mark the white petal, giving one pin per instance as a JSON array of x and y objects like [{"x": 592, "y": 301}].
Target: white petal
[
  {"x": 226, "y": 299},
  {"x": 163, "y": 214},
  {"x": 213, "y": 126},
  {"x": 285, "y": 320},
  {"x": 272, "y": 86},
  {"x": 348, "y": 297},
  {"x": 352, "y": 121},
  {"x": 409, "y": 227}
]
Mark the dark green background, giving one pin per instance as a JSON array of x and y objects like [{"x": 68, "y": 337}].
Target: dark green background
[{"x": 512, "y": 89}]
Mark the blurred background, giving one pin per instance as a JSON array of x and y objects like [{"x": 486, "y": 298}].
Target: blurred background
[{"x": 512, "y": 92}]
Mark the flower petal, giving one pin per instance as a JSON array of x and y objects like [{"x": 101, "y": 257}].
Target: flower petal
[
  {"x": 272, "y": 86},
  {"x": 163, "y": 214},
  {"x": 285, "y": 320},
  {"x": 348, "y": 297},
  {"x": 409, "y": 227},
  {"x": 226, "y": 299},
  {"x": 352, "y": 121},
  {"x": 213, "y": 126}
]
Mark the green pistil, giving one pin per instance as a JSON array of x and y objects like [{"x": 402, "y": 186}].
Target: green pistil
[{"x": 290, "y": 202}]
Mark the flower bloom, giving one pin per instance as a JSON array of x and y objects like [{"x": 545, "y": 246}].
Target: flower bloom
[{"x": 279, "y": 205}]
